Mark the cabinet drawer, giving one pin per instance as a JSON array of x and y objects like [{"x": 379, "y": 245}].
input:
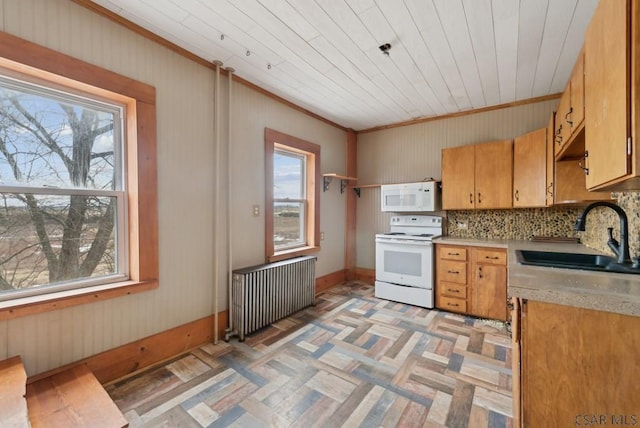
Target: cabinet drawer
[
  {"x": 452, "y": 304},
  {"x": 452, "y": 271},
  {"x": 448, "y": 252},
  {"x": 491, "y": 256},
  {"x": 452, "y": 290}
]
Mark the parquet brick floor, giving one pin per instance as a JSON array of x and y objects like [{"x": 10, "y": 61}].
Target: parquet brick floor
[{"x": 352, "y": 360}]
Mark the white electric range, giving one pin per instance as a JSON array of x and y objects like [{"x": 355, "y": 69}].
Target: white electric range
[{"x": 405, "y": 260}]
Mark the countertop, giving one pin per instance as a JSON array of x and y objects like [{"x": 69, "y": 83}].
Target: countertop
[{"x": 604, "y": 291}]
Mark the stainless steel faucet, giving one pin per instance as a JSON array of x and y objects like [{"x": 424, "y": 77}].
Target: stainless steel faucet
[{"x": 621, "y": 249}]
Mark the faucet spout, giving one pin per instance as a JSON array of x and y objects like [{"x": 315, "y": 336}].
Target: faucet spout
[{"x": 621, "y": 249}]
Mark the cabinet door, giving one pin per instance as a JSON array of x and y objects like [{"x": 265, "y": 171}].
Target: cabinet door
[
  {"x": 550, "y": 182},
  {"x": 489, "y": 286},
  {"x": 458, "y": 178},
  {"x": 562, "y": 132},
  {"x": 494, "y": 174},
  {"x": 578, "y": 363},
  {"x": 607, "y": 90},
  {"x": 530, "y": 169},
  {"x": 577, "y": 94}
]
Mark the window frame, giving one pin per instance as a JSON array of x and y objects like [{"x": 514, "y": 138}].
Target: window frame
[
  {"x": 278, "y": 140},
  {"x": 28, "y": 59}
]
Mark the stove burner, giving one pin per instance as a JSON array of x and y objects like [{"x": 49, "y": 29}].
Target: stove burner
[
  {"x": 426, "y": 235},
  {"x": 395, "y": 233}
]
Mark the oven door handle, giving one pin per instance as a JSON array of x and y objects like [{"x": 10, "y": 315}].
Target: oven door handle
[{"x": 403, "y": 242}]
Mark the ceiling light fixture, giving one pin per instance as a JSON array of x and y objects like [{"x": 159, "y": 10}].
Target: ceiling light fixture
[
  {"x": 248, "y": 53},
  {"x": 385, "y": 48}
]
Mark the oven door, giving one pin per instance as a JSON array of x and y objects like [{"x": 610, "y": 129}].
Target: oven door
[{"x": 404, "y": 262}]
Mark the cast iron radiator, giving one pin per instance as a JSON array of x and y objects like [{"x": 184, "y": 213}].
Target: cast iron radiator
[{"x": 261, "y": 295}]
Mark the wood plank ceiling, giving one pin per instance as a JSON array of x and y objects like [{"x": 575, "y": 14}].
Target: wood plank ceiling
[{"x": 446, "y": 56}]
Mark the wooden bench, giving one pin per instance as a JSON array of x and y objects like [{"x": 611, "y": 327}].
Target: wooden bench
[
  {"x": 13, "y": 405},
  {"x": 72, "y": 398}
]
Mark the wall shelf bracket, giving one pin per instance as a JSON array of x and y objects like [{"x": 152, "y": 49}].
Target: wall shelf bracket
[{"x": 344, "y": 181}]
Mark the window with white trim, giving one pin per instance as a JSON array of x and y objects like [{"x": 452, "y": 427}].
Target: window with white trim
[
  {"x": 292, "y": 196},
  {"x": 63, "y": 203}
]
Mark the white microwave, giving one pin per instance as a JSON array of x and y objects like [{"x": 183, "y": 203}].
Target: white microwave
[{"x": 423, "y": 196}]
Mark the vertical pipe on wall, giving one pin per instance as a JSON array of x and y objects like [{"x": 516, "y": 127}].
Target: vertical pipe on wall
[
  {"x": 216, "y": 187},
  {"x": 229, "y": 210}
]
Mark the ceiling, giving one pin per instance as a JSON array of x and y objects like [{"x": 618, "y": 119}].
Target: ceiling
[{"x": 446, "y": 56}]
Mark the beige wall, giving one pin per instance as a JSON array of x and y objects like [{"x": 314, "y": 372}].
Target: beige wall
[
  {"x": 186, "y": 181},
  {"x": 413, "y": 153}
]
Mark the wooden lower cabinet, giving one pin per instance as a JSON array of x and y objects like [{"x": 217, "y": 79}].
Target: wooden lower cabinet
[
  {"x": 578, "y": 367},
  {"x": 472, "y": 280}
]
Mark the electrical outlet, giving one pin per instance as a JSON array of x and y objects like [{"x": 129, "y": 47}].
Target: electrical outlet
[
  {"x": 461, "y": 224},
  {"x": 256, "y": 210},
  {"x": 322, "y": 236}
]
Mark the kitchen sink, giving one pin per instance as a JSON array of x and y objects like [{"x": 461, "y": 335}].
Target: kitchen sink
[{"x": 594, "y": 262}]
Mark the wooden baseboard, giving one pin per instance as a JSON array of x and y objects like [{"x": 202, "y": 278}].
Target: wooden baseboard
[
  {"x": 324, "y": 283},
  {"x": 132, "y": 357},
  {"x": 366, "y": 275},
  {"x": 127, "y": 359}
]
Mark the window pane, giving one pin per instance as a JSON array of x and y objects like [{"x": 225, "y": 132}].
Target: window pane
[
  {"x": 288, "y": 175},
  {"x": 288, "y": 224},
  {"x": 50, "y": 140},
  {"x": 52, "y": 238}
]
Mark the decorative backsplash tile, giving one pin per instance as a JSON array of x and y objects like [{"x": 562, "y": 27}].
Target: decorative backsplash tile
[
  {"x": 552, "y": 221},
  {"x": 599, "y": 219},
  {"x": 513, "y": 224}
]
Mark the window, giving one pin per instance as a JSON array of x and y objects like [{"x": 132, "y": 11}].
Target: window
[
  {"x": 61, "y": 190},
  {"x": 77, "y": 173},
  {"x": 292, "y": 193}
]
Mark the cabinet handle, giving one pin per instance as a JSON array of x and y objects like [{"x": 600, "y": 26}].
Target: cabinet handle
[
  {"x": 558, "y": 137},
  {"x": 453, "y": 290},
  {"x": 550, "y": 189},
  {"x": 479, "y": 198},
  {"x": 471, "y": 198},
  {"x": 480, "y": 272},
  {"x": 566, "y": 117},
  {"x": 517, "y": 195},
  {"x": 491, "y": 257},
  {"x": 584, "y": 168},
  {"x": 453, "y": 304},
  {"x": 453, "y": 254},
  {"x": 455, "y": 272}
]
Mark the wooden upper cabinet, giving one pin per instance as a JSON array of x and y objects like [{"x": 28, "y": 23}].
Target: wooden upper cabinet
[
  {"x": 550, "y": 167},
  {"x": 530, "y": 169},
  {"x": 477, "y": 176},
  {"x": 458, "y": 178},
  {"x": 562, "y": 132},
  {"x": 494, "y": 174},
  {"x": 576, "y": 117},
  {"x": 566, "y": 180},
  {"x": 569, "y": 120},
  {"x": 610, "y": 63}
]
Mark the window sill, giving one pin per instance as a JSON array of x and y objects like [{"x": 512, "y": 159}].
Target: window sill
[
  {"x": 49, "y": 302},
  {"x": 294, "y": 252}
]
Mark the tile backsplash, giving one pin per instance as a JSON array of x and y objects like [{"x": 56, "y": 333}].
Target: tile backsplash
[
  {"x": 552, "y": 221},
  {"x": 513, "y": 224}
]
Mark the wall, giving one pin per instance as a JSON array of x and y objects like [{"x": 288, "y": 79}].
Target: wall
[
  {"x": 413, "y": 153},
  {"x": 186, "y": 187}
]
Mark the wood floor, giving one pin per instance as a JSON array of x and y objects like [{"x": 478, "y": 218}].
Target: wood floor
[{"x": 352, "y": 360}]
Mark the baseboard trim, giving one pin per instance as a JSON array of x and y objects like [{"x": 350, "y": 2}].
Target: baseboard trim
[
  {"x": 132, "y": 357},
  {"x": 325, "y": 282},
  {"x": 366, "y": 275},
  {"x": 127, "y": 359}
]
